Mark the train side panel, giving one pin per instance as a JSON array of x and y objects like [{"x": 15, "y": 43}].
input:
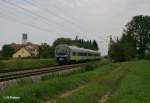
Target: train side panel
[{"x": 69, "y": 54}]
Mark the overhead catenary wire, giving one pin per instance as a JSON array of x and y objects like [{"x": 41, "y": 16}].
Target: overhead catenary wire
[
  {"x": 13, "y": 18},
  {"x": 37, "y": 15},
  {"x": 6, "y": 17},
  {"x": 74, "y": 17},
  {"x": 60, "y": 9},
  {"x": 69, "y": 15},
  {"x": 33, "y": 13},
  {"x": 11, "y": 13},
  {"x": 54, "y": 14}
]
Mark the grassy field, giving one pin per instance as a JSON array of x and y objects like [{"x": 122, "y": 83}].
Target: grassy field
[
  {"x": 126, "y": 82},
  {"x": 14, "y": 64}
]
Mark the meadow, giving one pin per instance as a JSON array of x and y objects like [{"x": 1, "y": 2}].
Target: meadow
[
  {"x": 22, "y": 64},
  {"x": 101, "y": 82}
]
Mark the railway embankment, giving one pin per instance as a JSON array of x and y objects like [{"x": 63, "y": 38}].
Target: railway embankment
[
  {"x": 64, "y": 80},
  {"x": 25, "y": 64},
  {"x": 35, "y": 75},
  {"x": 97, "y": 83}
]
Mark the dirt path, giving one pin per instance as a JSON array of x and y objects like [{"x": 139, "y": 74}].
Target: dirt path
[
  {"x": 66, "y": 94},
  {"x": 104, "y": 98},
  {"x": 104, "y": 80}
]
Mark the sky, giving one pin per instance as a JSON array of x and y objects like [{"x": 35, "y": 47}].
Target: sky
[{"x": 47, "y": 20}]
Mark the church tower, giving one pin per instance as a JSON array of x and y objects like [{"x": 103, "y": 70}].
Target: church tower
[{"x": 24, "y": 38}]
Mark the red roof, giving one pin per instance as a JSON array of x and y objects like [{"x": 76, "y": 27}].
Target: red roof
[{"x": 17, "y": 47}]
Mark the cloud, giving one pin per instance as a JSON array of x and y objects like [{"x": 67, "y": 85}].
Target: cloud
[
  {"x": 30, "y": 7},
  {"x": 91, "y": 19}
]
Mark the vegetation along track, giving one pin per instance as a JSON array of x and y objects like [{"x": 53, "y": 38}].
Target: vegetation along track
[{"x": 27, "y": 73}]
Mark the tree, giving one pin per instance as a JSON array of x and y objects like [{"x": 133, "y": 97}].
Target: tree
[
  {"x": 110, "y": 46},
  {"x": 135, "y": 40},
  {"x": 117, "y": 52},
  {"x": 139, "y": 28},
  {"x": 62, "y": 41},
  {"x": 129, "y": 46},
  {"x": 7, "y": 51},
  {"x": 123, "y": 49},
  {"x": 95, "y": 45},
  {"x": 45, "y": 51}
]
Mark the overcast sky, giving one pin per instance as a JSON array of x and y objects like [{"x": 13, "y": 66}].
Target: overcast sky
[{"x": 46, "y": 20}]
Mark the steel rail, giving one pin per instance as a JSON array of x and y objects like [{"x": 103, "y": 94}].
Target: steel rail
[{"x": 28, "y": 73}]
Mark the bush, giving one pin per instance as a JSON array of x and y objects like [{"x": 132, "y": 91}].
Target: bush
[
  {"x": 147, "y": 56},
  {"x": 4, "y": 58},
  {"x": 2, "y": 64},
  {"x": 90, "y": 66},
  {"x": 93, "y": 65}
]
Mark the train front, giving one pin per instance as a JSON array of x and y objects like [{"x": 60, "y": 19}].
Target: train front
[{"x": 62, "y": 54}]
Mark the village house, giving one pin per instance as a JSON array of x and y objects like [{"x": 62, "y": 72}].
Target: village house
[{"x": 25, "y": 50}]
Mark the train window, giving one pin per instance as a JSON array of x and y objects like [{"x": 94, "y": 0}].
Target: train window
[
  {"x": 97, "y": 54},
  {"x": 79, "y": 54},
  {"x": 89, "y": 54},
  {"x": 62, "y": 51},
  {"x": 74, "y": 54},
  {"x": 82, "y": 54}
]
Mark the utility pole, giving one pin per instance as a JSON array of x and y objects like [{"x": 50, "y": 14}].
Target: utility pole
[{"x": 109, "y": 48}]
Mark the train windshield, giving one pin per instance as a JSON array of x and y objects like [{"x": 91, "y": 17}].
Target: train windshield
[{"x": 62, "y": 51}]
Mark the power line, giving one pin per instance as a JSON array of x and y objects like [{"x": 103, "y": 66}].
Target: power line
[
  {"x": 13, "y": 16},
  {"x": 72, "y": 17},
  {"x": 31, "y": 12},
  {"x": 58, "y": 7},
  {"x": 28, "y": 11},
  {"x": 20, "y": 22},
  {"x": 10, "y": 12},
  {"x": 54, "y": 14}
]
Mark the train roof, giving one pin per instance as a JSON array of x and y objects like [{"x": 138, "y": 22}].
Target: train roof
[{"x": 75, "y": 48}]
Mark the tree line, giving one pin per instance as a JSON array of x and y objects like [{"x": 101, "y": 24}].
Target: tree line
[
  {"x": 134, "y": 42},
  {"x": 47, "y": 51}
]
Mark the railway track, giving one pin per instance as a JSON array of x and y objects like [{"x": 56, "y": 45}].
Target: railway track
[{"x": 28, "y": 73}]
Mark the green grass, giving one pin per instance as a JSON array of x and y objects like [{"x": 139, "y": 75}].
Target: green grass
[
  {"x": 126, "y": 82},
  {"x": 135, "y": 88},
  {"x": 99, "y": 86},
  {"x": 10, "y": 65},
  {"x": 47, "y": 89}
]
